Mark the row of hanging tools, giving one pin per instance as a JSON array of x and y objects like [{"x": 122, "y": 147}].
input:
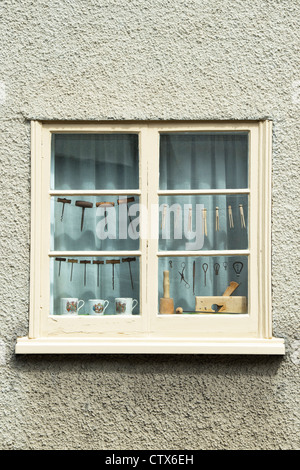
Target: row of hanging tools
[
  {"x": 204, "y": 219},
  {"x": 97, "y": 263},
  {"x": 237, "y": 267},
  {"x": 88, "y": 205}
]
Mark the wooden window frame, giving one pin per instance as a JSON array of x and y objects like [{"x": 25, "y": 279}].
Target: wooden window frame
[{"x": 151, "y": 333}]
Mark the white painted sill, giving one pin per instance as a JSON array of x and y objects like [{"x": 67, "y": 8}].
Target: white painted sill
[{"x": 59, "y": 345}]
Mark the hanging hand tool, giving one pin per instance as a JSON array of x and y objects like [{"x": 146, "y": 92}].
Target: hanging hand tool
[
  {"x": 97, "y": 262},
  {"x": 127, "y": 200},
  {"x": 85, "y": 262},
  {"x": 105, "y": 205},
  {"x": 217, "y": 219},
  {"x": 113, "y": 262},
  {"x": 60, "y": 260},
  {"x": 243, "y": 223},
  {"x": 84, "y": 205},
  {"x": 182, "y": 278},
  {"x": 72, "y": 261},
  {"x": 216, "y": 268},
  {"x": 205, "y": 268},
  {"x": 230, "y": 216},
  {"x": 63, "y": 201},
  {"x": 238, "y": 266},
  {"x": 194, "y": 271},
  {"x": 129, "y": 260}
]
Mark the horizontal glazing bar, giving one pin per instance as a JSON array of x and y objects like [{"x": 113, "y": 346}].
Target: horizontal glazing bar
[
  {"x": 94, "y": 253},
  {"x": 202, "y": 192},
  {"x": 92, "y": 192}
]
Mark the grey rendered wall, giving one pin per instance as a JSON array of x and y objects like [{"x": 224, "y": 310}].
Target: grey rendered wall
[{"x": 155, "y": 59}]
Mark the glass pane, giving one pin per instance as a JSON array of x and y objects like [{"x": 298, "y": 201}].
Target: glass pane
[
  {"x": 95, "y": 161},
  {"x": 94, "y": 286},
  {"x": 212, "y": 160},
  {"x": 197, "y": 285},
  {"x": 203, "y": 222},
  {"x": 80, "y": 223}
]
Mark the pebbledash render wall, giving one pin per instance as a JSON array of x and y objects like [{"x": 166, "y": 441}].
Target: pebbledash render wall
[{"x": 138, "y": 60}]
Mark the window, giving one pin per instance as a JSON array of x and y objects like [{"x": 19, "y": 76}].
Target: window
[{"x": 151, "y": 237}]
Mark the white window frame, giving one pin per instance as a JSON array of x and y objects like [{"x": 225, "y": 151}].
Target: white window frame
[{"x": 149, "y": 332}]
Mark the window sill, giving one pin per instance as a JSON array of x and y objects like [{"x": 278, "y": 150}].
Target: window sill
[{"x": 58, "y": 345}]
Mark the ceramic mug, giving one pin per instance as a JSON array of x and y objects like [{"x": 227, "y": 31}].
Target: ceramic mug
[
  {"x": 70, "y": 306},
  {"x": 97, "y": 306},
  {"x": 125, "y": 305}
]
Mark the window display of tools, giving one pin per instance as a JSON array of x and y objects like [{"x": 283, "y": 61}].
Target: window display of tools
[
  {"x": 113, "y": 262},
  {"x": 63, "y": 201},
  {"x": 84, "y": 205},
  {"x": 72, "y": 261},
  {"x": 105, "y": 204},
  {"x": 166, "y": 304},
  {"x": 129, "y": 260},
  {"x": 59, "y": 266},
  {"x": 98, "y": 262},
  {"x": 85, "y": 262}
]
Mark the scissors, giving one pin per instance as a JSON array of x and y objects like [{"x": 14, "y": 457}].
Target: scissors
[{"x": 186, "y": 284}]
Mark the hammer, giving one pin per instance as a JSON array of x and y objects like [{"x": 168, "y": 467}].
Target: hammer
[
  {"x": 64, "y": 201},
  {"x": 97, "y": 262},
  {"x": 128, "y": 260},
  {"x": 83, "y": 205},
  {"x": 113, "y": 262}
]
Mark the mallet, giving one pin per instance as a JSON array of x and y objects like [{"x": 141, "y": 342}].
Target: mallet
[
  {"x": 85, "y": 262},
  {"x": 97, "y": 262},
  {"x": 72, "y": 261},
  {"x": 166, "y": 304},
  {"x": 129, "y": 260},
  {"x": 64, "y": 201},
  {"x": 113, "y": 262},
  {"x": 105, "y": 204},
  {"x": 83, "y": 205},
  {"x": 60, "y": 260}
]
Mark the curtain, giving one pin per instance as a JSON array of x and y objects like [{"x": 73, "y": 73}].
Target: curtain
[{"x": 203, "y": 161}]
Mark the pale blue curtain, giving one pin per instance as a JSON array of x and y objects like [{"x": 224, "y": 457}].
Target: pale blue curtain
[
  {"x": 83, "y": 162},
  {"x": 204, "y": 161}
]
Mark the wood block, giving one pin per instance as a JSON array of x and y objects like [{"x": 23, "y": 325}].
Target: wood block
[{"x": 225, "y": 304}]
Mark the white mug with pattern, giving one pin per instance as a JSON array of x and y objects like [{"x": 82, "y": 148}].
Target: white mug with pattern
[
  {"x": 97, "y": 306},
  {"x": 70, "y": 305},
  {"x": 125, "y": 305}
]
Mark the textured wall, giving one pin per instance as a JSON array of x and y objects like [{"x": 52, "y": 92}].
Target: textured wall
[{"x": 160, "y": 59}]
